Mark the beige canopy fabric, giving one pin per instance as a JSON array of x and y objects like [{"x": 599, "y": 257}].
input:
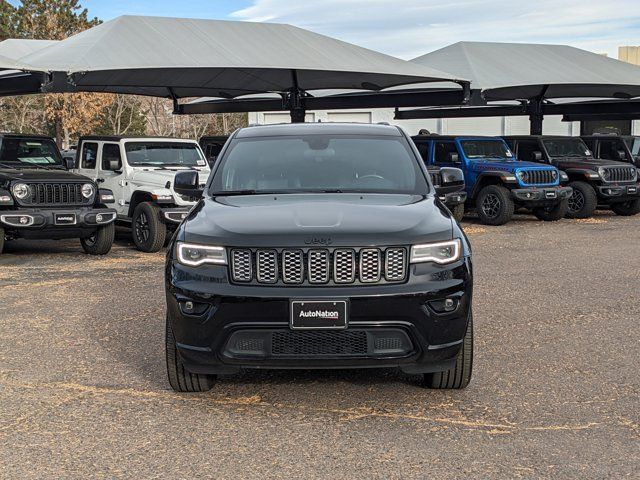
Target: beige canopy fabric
[
  {"x": 520, "y": 71},
  {"x": 178, "y": 57}
]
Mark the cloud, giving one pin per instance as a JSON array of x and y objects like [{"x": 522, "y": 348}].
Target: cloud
[{"x": 410, "y": 28}]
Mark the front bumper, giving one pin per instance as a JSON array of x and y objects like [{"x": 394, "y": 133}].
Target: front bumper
[
  {"x": 56, "y": 218},
  {"x": 541, "y": 196},
  {"x": 454, "y": 198},
  {"x": 618, "y": 192},
  {"x": 394, "y": 325}
]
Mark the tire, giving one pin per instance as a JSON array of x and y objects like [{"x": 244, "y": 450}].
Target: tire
[
  {"x": 1, "y": 239},
  {"x": 147, "y": 229},
  {"x": 101, "y": 241},
  {"x": 179, "y": 378},
  {"x": 459, "y": 376},
  {"x": 624, "y": 209},
  {"x": 458, "y": 212},
  {"x": 494, "y": 205},
  {"x": 553, "y": 213},
  {"x": 583, "y": 201}
]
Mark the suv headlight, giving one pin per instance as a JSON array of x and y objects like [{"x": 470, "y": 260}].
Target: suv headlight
[
  {"x": 442, "y": 253},
  {"x": 554, "y": 174},
  {"x": 604, "y": 173},
  {"x": 87, "y": 190},
  {"x": 196, "y": 255},
  {"x": 523, "y": 176},
  {"x": 20, "y": 190}
]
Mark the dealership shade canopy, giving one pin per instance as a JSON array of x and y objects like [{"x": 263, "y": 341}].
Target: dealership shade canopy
[
  {"x": 16, "y": 48},
  {"x": 178, "y": 58},
  {"x": 532, "y": 74}
]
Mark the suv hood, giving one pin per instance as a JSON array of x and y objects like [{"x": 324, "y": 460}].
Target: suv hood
[
  {"x": 159, "y": 178},
  {"x": 40, "y": 175},
  {"x": 509, "y": 166},
  {"x": 318, "y": 220},
  {"x": 586, "y": 162}
]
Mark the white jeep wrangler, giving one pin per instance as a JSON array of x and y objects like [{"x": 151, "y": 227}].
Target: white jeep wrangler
[{"x": 140, "y": 172}]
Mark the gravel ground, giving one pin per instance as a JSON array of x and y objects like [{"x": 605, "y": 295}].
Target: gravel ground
[{"x": 555, "y": 391}]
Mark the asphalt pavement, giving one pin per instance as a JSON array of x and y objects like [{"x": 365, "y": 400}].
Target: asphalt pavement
[{"x": 555, "y": 390}]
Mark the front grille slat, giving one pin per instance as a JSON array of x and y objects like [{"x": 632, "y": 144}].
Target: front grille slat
[
  {"x": 54, "y": 194},
  {"x": 339, "y": 266},
  {"x": 539, "y": 177},
  {"x": 619, "y": 174}
]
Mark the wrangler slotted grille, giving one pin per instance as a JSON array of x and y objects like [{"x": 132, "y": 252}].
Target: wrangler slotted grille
[
  {"x": 619, "y": 174},
  {"x": 45, "y": 194},
  {"x": 539, "y": 177},
  {"x": 317, "y": 266},
  {"x": 436, "y": 178}
]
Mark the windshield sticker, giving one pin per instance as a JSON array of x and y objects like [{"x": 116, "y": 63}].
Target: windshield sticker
[
  {"x": 587, "y": 153},
  {"x": 509, "y": 154},
  {"x": 38, "y": 160}
]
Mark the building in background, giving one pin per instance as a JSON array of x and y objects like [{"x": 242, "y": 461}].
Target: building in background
[{"x": 553, "y": 124}]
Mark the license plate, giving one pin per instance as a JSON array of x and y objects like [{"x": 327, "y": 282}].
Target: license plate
[
  {"x": 65, "y": 218},
  {"x": 318, "y": 314},
  {"x": 551, "y": 194},
  {"x": 632, "y": 190}
]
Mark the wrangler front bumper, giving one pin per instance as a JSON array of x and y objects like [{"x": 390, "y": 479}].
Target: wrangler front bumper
[
  {"x": 618, "y": 192},
  {"x": 35, "y": 218},
  {"x": 547, "y": 195}
]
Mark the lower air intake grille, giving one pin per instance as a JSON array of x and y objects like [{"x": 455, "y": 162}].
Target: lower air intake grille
[{"x": 319, "y": 343}]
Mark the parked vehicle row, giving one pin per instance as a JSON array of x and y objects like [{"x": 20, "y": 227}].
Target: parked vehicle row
[{"x": 129, "y": 181}]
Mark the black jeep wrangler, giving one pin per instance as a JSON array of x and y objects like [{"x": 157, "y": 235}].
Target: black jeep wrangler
[
  {"x": 624, "y": 148},
  {"x": 40, "y": 199},
  {"x": 318, "y": 246},
  {"x": 595, "y": 182}
]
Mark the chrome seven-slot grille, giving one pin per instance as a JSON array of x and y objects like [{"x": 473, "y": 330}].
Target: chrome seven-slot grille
[
  {"x": 619, "y": 174},
  {"x": 55, "y": 194},
  {"x": 319, "y": 266},
  {"x": 538, "y": 177}
]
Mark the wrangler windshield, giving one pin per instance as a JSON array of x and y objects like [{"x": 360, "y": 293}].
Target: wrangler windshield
[
  {"x": 566, "y": 147},
  {"x": 486, "y": 150},
  {"x": 319, "y": 163},
  {"x": 26, "y": 151},
  {"x": 162, "y": 154}
]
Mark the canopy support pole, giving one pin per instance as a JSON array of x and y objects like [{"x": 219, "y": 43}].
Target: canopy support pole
[
  {"x": 535, "y": 107},
  {"x": 294, "y": 102}
]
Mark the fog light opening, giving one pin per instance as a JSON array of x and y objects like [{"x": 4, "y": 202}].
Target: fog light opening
[
  {"x": 189, "y": 307},
  {"x": 445, "y": 305}
]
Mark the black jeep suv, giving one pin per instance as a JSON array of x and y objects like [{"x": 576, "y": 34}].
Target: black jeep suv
[
  {"x": 595, "y": 182},
  {"x": 40, "y": 199},
  {"x": 318, "y": 246}
]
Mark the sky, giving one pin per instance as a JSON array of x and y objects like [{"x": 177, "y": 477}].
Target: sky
[{"x": 410, "y": 28}]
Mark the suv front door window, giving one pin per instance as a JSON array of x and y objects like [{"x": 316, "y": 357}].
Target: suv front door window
[
  {"x": 444, "y": 152},
  {"x": 110, "y": 173}
]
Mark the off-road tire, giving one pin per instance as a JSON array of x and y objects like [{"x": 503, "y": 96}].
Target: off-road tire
[
  {"x": 1, "y": 239},
  {"x": 458, "y": 212},
  {"x": 180, "y": 379},
  {"x": 554, "y": 213},
  {"x": 101, "y": 241},
  {"x": 624, "y": 209},
  {"x": 494, "y": 205},
  {"x": 460, "y": 375},
  {"x": 583, "y": 201},
  {"x": 147, "y": 229}
]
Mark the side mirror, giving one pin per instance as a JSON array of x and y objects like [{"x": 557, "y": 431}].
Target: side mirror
[
  {"x": 537, "y": 156},
  {"x": 451, "y": 180},
  {"x": 454, "y": 157},
  {"x": 622, "y": 155},
  {"x": 69, "y": 163},
  {"x": 115, "y": 165},
  {"x": 187, "y": 184}
]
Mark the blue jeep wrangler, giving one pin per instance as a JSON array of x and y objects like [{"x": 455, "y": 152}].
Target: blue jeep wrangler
[{"x": 496, "y": 182}]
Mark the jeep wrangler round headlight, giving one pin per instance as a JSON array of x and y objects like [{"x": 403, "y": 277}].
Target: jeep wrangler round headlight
[
  {"x": 195, "y": 255},
  {"x": 554, "y": 174},
  {"x": 20, "y": 190},
  {"x": 524, "y": 176},
  {"x": 604, "y": 173},
  {"x": 87, "y": 190},
  {"x": 442, "y": 253}
]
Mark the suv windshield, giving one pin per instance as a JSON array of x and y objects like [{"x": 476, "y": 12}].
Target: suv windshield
[
  {"x": 162, "y": 154},
  {"x": 566, "y": 147},
  {"x": 28, "y": 151},
  {"x": 486, "y": 150},
  {"x": 320, "y": 163}
]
